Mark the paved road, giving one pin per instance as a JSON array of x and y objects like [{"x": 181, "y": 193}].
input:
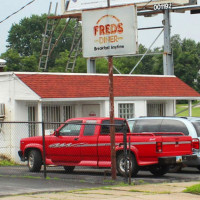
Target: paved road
[{"x": 17, "y": 180}]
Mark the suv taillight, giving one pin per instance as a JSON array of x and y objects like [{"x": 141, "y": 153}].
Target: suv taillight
[
  {"x": 159, "y": 147},
  {"x": 195, "y": 143}
]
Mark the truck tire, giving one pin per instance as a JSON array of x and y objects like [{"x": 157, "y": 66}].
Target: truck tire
[
  {"x": 159, "y": 170},
  {"x": 34, "y": 161},
  {"x": 121, "y": 165},
  {"x": 69, "y": 169}
]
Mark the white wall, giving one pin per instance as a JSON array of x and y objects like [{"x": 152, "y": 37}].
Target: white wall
[
  {"x": 6, "y": 94},
  {"x": 22, "y": 92},
  {"x": 170, "y": 108}
]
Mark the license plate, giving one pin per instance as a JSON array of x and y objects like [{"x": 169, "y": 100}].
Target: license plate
[{"x": 179, "y": 159}]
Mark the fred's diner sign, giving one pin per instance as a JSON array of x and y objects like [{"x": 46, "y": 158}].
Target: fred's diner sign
[{"x": 110, "y": 32}]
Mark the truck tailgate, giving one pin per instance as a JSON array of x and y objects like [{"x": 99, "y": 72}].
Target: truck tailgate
[{"x": 176, "y": 145}]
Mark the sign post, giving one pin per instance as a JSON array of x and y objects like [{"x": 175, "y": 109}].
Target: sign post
[{"x": 112, "y": 128}]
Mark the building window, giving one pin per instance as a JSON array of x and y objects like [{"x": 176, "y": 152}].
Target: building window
[
  {"x": 156, "y": 109},
  {"x": 126, "y": 110},
  {"x": 56, "y": 113},
  {"x": 68, "y": 112},
  {"x": 51, "y": 113}
]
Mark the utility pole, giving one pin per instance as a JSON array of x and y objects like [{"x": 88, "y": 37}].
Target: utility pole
[
  {"x": 168, "y": 68},
  {"x": 112, "y": 127}
]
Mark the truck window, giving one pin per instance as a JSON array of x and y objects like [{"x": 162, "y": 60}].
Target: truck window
[
  {"x": 169, "y": 125},
  {"x": 146, "y": 125},
  {"x": 71, "y": 129},
  {"x": 105, "y": 128},
  {"x": 89, "y": 128}
]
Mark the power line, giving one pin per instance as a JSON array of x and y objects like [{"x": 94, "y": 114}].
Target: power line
[{"x": 17, "y": 11}]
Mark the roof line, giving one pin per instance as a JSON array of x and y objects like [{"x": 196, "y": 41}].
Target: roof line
[{"x": 88, "y": 74}]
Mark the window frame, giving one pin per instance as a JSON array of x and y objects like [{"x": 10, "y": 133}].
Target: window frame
[{"x": 126, "y": 110}]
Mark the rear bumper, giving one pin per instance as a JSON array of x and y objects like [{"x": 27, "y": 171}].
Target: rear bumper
[
  {"x": 195, "y": 162},
  {"x": 176, "y": 159}
]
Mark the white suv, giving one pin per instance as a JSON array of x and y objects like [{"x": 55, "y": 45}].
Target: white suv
[{"x": 187, "y": 125}]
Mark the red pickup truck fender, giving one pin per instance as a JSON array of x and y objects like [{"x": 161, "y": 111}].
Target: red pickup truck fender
[{"x": 32, "y": 146}]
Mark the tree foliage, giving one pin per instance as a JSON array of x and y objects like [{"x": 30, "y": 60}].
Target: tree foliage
[{"x": 25, "y": 39}]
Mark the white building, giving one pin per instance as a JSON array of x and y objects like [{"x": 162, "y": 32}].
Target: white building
[{"x": 55, "y": 97}]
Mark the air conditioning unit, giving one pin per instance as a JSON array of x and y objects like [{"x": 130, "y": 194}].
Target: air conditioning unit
[{"x": 2, "y": 110}]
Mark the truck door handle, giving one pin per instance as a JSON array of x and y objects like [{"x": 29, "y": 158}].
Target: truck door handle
[{"x": 76, "y": 139}]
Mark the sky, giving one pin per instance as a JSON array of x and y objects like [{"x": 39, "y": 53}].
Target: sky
[{"x": 184, "y": 24}]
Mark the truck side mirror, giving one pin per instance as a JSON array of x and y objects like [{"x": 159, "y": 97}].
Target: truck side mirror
[{"x": 56, "y": 133}]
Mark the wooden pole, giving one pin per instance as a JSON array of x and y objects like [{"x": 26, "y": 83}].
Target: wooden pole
[{"x": 112, "y": 127}]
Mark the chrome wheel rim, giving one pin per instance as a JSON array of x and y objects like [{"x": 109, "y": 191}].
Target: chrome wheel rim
[
  {"x": 122, "y": 165},
  {"x": 30, "y": 160}
]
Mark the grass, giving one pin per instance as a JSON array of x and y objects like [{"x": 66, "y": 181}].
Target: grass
[
  {"x": 5, "y": 161},
  {"x": 195, "y": 189},
  {"x": 195, "y": 110}
]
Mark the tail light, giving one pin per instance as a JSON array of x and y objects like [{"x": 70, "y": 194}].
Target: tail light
[
  {"x": 159, "y": 147},
  {"x": 195, "y": 143}
]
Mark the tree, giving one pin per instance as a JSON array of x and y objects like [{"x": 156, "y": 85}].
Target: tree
[
  {"x": 186, "y": 60},
  {"x": 13, "y": 60},
  {"x": 25, "y": 39}
]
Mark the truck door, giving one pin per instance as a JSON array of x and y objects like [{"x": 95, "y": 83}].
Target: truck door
[
  {"x": 88, "y": 140},
  {"x": 65, "y": 147}
]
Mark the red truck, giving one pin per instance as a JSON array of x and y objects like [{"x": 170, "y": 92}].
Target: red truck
[{"x": 86, "y": 142}]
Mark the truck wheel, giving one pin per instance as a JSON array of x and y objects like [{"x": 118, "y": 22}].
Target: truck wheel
[
  {"x": 69, "y": 169},
  {"x": 34, "y": 161},
  {"x": 121, "y": 165},
  {"x": 159, "y": 170}
]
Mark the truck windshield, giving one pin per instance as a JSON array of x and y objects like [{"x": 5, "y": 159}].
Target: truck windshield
[{"x": 197, "y": 127}]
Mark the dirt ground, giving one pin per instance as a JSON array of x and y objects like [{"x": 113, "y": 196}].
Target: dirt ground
[{"x": 164, "y": 191}]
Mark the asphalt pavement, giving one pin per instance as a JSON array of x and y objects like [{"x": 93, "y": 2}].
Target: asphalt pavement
[{"x": 18, "y": 180}]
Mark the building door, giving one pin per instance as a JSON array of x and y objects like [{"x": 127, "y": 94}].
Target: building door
[{"x": 91, "y": 110}]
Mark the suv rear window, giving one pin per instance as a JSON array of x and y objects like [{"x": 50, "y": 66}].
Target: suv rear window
[
  {"x": 146, "y": 125},
  {"x": 170, "y": 125}
]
